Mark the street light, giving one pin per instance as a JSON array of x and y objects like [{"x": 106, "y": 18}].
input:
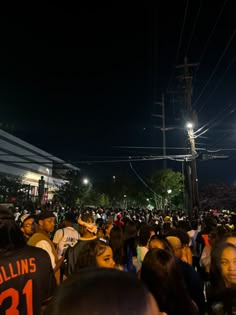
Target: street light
[
  {"x": 85, "y": 181},
  {"x": 125, "y": 202},
  {"x": 192, "y": 170},
  {"x": 114, "y": 178},
  {"x": 189, "y": 125},
  {"x": 169, "y": 191}
]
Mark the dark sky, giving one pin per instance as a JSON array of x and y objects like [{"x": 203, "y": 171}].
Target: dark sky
[{"x": 79, "y": 81}]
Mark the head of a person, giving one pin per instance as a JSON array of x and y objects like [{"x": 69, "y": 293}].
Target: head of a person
[
  {"x": 108, "y": 227},
  {"x": 194, "y": 225},
  {"x": 231, "y": 239},
  {"x": 27, "y": 225},
  {"x": 159, "y": 242},
  {"x": 69, "y": 219},
  {"x": 162, "y": 276},
  {"x": 87, "y": 226},
  {"x": 117, "y": 244},
  {"x": 180, "y": 234},
  {"x": 176, "y": 245},
  {"x": 223, "y": 265},
  {"x": 95, "y": 253},
  {"x": 102, "y": 292},
  {"x": 212, "y": 237},
  {"x": 130, "y": 230},
  {"x": 145, "y": 233},
  {"x": 46, "y": 221},
  {"x": 11, "y": 237}
]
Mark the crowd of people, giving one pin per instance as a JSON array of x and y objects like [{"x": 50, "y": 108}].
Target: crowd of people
[{"x": 107, "y": 261}]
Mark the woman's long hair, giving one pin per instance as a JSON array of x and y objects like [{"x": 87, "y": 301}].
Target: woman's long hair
[
  {"x": 161, "y": 274},
  {"x": 117, "y": 244},
  {"x": 88, "y": 253}
]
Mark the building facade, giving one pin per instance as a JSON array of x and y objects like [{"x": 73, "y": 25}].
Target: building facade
[{"x": 19, "y": 158}]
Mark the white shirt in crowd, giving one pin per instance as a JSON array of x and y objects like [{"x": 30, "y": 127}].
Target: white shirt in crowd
[{"x": 65, "y": 237}]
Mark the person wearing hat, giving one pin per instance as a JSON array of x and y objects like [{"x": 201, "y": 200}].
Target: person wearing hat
[
  {"x": 27, "y": 280},
  {"x": 27, "y": 225},
  {"x": 41, "y": 239}
]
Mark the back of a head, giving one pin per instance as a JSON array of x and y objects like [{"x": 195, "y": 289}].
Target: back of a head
[
  {"x": 11, "y": 236},
  {"x": 162, "y": 276},
  {"x": 117, "y": 244},
  {"x": 144, "y": 234},
  {"x": 130, "y": 230},
  {"x": 181, "y": 234},
  {"x": 101, "y": 292},
  {"x": 87, "y": 216}
]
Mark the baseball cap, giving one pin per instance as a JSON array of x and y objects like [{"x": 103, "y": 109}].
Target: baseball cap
[{"x": 25, "y": 217}]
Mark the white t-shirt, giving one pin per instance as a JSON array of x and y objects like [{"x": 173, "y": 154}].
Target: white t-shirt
[
  {"x": 141, "y": 252},
  {"x": 65, "y": 237},
  {"x": 46, "y": 246}
]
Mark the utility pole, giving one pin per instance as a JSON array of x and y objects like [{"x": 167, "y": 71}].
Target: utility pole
[
  {"x": 192, "y": 118},
  {"x": 163, "y": 128},
  {"x": 163, "y": 131}
]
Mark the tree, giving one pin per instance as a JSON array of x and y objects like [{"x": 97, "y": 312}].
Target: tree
[
  {"x": 167, "y": 185},
  {"x": 72, "y": 192},
  {"x": 12, "y": 187}
]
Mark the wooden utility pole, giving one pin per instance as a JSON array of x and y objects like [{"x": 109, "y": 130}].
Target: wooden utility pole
[
  {"x": 163, "y": 128},
  {"x": 191, "y": 117}
]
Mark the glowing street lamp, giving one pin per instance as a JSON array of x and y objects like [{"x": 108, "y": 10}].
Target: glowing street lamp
[
  {"x": 85, "y": 181},
  {"x": 189, "y": 125}
]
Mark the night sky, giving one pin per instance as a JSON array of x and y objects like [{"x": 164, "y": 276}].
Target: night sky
[{"x": 79, "y": 82}]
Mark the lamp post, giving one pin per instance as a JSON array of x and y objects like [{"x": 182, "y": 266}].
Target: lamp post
[
  {"x": 194, "y": 196},
  {"x": 169, "y": 191},
  {"x": 125, "y": 202}
]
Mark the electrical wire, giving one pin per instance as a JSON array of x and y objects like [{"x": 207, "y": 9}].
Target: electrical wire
[
  {"x": 218, "y": 83},
  {"x": 194, "y": 28},
  {"x": 214, "y": 70},
  {"x": 210, "y": 36},
  {"x": 140, "y": 178},
  {"x": 213, "y": 119},
  {"x": 128, "y": 159},
  {"x": 179, "y": 44}
]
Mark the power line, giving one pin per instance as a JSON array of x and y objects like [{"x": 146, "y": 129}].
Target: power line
[
  {"x": 179, "y": 44},
  {"x": 210, "y": 36},
  {"x": 153, "y": 148},
  {"x": 139, "y": 177},
  {"x": 182, "y": 31},
  {"x": 218, "y": 83},
  {"x": 216, "y": 66},
  {"x": 213, "y": 122},
  {"x": 194, "y": 27}
]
